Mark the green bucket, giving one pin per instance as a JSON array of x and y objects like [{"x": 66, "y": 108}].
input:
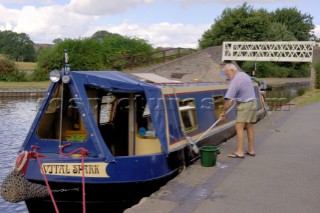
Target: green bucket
[{"x": 208, "y": 155}]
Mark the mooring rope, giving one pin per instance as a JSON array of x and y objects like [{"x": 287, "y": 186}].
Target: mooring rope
[
  {"x": 84, "y": 153},
  {"x": 45, "y": 178}
]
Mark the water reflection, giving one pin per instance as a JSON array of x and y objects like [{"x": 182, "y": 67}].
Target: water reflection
[
  {"x": 16, "y": 116},
  {"x": 280, "y": 98}
]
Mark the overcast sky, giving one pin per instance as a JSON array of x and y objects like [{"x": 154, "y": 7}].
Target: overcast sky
[{"x": 165, "y": 23}]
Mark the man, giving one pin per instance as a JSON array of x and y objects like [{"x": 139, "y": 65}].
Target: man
[{"x": 241, "y": 92}]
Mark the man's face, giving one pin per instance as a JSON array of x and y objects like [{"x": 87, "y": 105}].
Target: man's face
[{"x": 229, "y": 73}]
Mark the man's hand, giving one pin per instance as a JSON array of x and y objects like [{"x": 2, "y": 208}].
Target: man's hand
[{"x": 222, "y": 115}]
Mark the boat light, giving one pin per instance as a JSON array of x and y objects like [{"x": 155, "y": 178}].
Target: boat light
[
  {"x": 65, "y": 79},
  {"x": 55, "y": 76}
]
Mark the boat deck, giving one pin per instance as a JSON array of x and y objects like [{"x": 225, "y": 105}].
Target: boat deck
[{"x": 282, "y": 177}]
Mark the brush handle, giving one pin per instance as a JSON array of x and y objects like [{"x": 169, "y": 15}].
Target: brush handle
[{"x": 213, "y": 125}]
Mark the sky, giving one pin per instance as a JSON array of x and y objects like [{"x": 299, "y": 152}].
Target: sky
[{"x": 162, "y": 23}]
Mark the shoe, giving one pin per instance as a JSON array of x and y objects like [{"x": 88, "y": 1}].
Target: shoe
[
  {"x": 250, "y": 154},
  {"x": 235, "y": 155}
]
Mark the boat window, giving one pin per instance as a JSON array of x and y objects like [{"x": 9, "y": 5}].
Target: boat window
[
  {"x": 218, "y": 103},
  {"x": 145, "y": 126},
  {"x": 73, "y": 128},
  {"x": 188, "y": 116},
  {"x": 107, "y": 108}
]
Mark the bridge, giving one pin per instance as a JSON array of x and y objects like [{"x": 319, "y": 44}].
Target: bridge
[
  {"x": 276, "y": 51},
  {"x": 290, "y": 51}
]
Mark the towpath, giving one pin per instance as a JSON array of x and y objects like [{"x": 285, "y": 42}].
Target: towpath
[{"x": 284, "y": 176}]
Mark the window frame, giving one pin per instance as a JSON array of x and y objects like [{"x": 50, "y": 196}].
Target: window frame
[{"x": 192, "y": 112}]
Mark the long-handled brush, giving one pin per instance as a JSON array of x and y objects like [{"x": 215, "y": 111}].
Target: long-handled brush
[{"x": 195, "y": 148}]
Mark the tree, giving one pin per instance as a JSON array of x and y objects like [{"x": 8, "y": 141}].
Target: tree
[
  {"x": 240, "y": 24},
  {"x": 17, "y": 46},
  {"x": 84, "y": 54},
  {"x": 298, "y": 23},
  {"x": 117, "y": 46},
  {"x": 101, "y": 35},
  {"x": 279, "y": 32},
  {"x": 57, "y": 41}
]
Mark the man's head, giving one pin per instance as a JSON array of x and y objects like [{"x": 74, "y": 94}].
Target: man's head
[{"x": 230, "y": 70}]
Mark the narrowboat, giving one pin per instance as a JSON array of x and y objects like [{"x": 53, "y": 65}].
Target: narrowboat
[{"x": 102, "y": 140}]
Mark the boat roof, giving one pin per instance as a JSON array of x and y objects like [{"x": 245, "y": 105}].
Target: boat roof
[
  {"x": 154, "y": 78},
  {"x": 121, "y": 79}
]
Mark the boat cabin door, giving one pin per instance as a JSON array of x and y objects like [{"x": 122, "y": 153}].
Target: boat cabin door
[{"x": 131, "y": 124}]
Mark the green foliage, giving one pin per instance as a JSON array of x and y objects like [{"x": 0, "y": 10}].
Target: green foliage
[
  {"x": 270, "y": 69},
  {"x": 279, "y": 32},
  {"x": 102, "y": 35},
  {"x": 317, "y": 68},
  {"x": 89, "y": 53},
  {"x": 240, "y": 24},
  {"x": 84, "y": 54},
  {"x": 265, "y": 69},
  {"x": 48, "y": 59},
  {"x": 17, "y": 46},
  {"x": 299, "y": 24},
  {"x": 76, "y": 138},
  {"x": 57, "y": 41},
  {"x": 116, "y": 46},
  {"x": 9, "y": 71}
]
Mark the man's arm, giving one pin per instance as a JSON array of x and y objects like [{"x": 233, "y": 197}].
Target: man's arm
[{"x": 226, "y": 106}]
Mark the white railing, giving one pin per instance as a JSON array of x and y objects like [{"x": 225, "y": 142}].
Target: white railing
[{"x": 290, "y": 51}]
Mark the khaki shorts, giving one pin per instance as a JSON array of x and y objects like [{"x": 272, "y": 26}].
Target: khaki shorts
[{"x": 246, "y": 112}]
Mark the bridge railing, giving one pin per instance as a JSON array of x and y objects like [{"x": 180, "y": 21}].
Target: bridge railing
[{"x": 289, "y": 51}]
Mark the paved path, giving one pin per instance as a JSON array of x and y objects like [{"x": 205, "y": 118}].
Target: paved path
[{"x": 283, "y": 177}]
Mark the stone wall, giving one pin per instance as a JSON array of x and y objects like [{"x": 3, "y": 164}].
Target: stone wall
[
  {"x": 315, "y": 59},
  {"x": 202, "y": 66}
]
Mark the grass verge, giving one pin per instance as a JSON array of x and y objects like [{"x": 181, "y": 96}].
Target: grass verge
[
  {"x": 307, "y": 98},
  {"x": 24, "y": 85}
]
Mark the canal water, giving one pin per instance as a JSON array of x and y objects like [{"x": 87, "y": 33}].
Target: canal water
[
  {"x": 280, "y": 98},
  {"x": 16, "y": 117}
]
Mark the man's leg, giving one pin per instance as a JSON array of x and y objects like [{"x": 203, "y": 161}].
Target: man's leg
[
  {"x": 250, "y": 134},
  {"x": 240, "y": 137}
]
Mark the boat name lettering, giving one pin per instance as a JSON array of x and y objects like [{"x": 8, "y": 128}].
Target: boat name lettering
[{"x": 75, "y": 169}]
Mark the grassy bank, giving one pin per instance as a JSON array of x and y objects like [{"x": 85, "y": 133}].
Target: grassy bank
[
  {"x": 307, "y": 98},
  {"x": 26, "y": 66},
  {"x": 24, "y": 85}
]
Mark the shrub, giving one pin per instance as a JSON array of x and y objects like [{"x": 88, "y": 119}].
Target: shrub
[
  {"x": 39, "y": 75},
  {"x": 9, "y": 71}
]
